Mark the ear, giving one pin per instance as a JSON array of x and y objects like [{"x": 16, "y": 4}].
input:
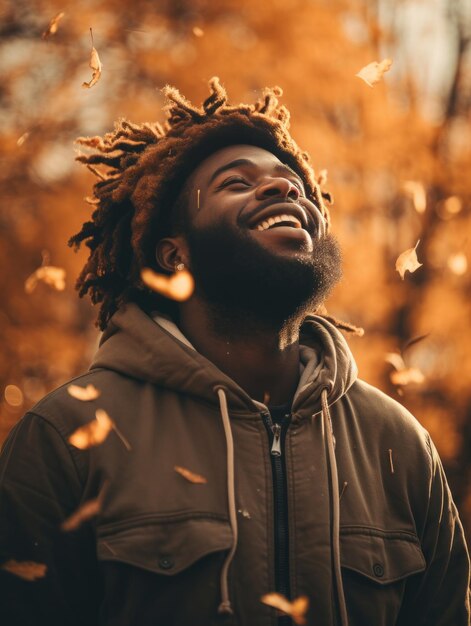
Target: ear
[{"x": 170, "y": 251}]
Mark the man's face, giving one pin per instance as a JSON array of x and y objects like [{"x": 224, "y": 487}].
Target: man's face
[{"x": 257, "y": 245}]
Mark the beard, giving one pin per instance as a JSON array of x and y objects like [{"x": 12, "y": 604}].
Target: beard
[{"x": 241, "y": 281}]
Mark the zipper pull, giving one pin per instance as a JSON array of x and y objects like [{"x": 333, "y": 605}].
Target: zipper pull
[{"x": 276, "y": 445}]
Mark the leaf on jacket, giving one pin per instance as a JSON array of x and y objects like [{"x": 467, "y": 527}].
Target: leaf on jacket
[
  {"x": 85, "y": 512},
  {"x": 95, "y": 65},
  {"x": 296, "y": 609},
  {"x": 191, "y": 477},
  {"x": 53, "y": 25},
  {"x": 52, "y": 276},
  {"x": 178, "y": 286},
  {"x": 416, "y": 192},
  {"x": 373, "y": 72},
  {"x": 27, "y": 570},
  {"x": 90, "y": 392},
  {"x": 95, "y": 432},
  {"x": 408, "y": 261}
]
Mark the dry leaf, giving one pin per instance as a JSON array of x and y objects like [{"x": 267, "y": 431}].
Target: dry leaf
[
  {"x": 52, "y": 276},
  {"x": 53, "y": 25},
  {"x": 197, "y": 479},
  {"x": 27, "y": 570},
  {"x": 373, "y": 72},
  {"x": 296, "y": 609},
  {"x": 396, "y": 360},
  {"x": 95, "y": 65},
  {"x": 20, "y": 141},
  {"x": 83, "y": 393},
  {"x": 197, "y": 31},
  {"x": 94, "y": 433},
  {"x": 407, "y": 261},
  {"x": 407, "y": 376},
  {"x": 178, "y": 286},
  {"x": 458, "y": 263},
  {"x": 85, "y": 512},
  {"x": 416, "y": 191}
]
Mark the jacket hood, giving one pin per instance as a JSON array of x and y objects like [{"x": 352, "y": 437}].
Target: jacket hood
[{"x": 135, "y": 345}]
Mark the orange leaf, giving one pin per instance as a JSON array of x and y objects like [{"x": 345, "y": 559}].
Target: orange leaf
[
  {"x": 86, "y": 511},
  {"x": 373, "y": 72},
  {"x": 83, "y": 393},
  {"x": 27, "y": 570},
  {"x": 94, "y": 433},
  {"x": 52, "y": 276},
  {"x": 178, "y": 287},
  {"x": 407, "y": 376},
  {"x": 96, "y": 67},
  {"x": 416, "y": 191},
  {"x": 296, "y": 609},
  {"x": 53, "y": 25},
  {"x": 407, "y": 261},
  {"x": 197, "y": 479}
]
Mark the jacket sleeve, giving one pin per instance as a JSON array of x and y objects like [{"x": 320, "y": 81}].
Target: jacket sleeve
[
  {"x": 39, "y": 489},
  {"x": 441, "y": 596}
]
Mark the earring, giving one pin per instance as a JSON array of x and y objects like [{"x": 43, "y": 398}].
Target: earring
[{"x": 179, "y": 267}]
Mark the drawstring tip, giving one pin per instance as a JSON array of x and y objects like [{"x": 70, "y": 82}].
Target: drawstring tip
[{"x": 225, "y": 607}]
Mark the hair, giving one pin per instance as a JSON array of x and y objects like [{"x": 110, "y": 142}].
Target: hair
[{"x": 138, "y": 198}]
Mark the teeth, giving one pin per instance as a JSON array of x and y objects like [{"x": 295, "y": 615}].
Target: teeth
[{"x": 276, "y": 219}]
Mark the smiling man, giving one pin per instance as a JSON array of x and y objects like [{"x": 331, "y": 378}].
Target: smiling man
[{"x": 244, "y": 456}]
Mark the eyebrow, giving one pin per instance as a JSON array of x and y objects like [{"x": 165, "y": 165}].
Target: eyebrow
[{"x": 280, "y": 167}]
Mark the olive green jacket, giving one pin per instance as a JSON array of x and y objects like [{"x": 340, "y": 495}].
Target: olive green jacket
[{"x": 374, "y": 536}]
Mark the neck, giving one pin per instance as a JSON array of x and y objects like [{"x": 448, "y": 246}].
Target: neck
[{"x": 262, "y": 359}]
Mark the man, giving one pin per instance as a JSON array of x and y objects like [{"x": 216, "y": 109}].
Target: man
[{"x": 229, "y": 450}]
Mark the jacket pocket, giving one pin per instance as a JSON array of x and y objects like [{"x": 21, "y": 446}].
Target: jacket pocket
[
  {"x": 383, "y": 557},
  {"x": 164, "y": 547},
  {"x": 376, "y": 566}
]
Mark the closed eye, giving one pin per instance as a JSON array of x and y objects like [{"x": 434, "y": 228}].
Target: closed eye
[{"x": 233, "y": 180}]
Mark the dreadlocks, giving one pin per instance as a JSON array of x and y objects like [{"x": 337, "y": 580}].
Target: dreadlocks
[{"x": 137, "y": 197}]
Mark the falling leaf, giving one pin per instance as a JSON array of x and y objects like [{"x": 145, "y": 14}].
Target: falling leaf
[
  {"x": 458, "y": 263},
  {"x": 178, "y": 287},
  {"x": 197, "y": 479},
  {"x": 407, "y": 376},
  {"x": 83, "y": 393},
  {"x": 197, "y": 31},
  {"x": 95, "y": 65},
  {"x": 85, "y": 512},
  {"x": 416, "y": 191},
  {"x": 407, "y": 261},
  {"x": 95, "y": 432},
  {"x": 27, "y": 570},
  {"x": 20, "y": 141},
  {"x": 373, "y": 72},
  {"x": 296, "y": 609},
  {"x": 52, "y": 276},
  {"x": 53, "y": 25},
  {"x": 396, "y": 360}
]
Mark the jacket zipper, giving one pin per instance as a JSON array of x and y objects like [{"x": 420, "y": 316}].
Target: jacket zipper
[{"x": 276, "y": 435}]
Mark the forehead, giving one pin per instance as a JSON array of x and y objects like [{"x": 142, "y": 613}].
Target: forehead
[{"x": 262, "y": 159}]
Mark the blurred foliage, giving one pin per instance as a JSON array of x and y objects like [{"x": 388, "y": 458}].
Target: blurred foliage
[{"x": 415, "y": 125}]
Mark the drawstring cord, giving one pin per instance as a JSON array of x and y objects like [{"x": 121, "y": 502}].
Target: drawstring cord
[
  {"x": 225, "y": 605},
  {"x": 334, "y": 491}
]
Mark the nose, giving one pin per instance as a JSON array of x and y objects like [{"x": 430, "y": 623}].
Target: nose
[{"x": 277, "y": 187}]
